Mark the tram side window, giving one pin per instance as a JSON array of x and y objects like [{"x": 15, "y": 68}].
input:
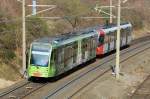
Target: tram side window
[
  {"x": 70, "y": 53},
  {"x": 60, "y": 56},
  {"x": 122, "y": 33},
  {"x": 93, "y": 43},
  {"x": 128, "y": 31},
  {"x": 66, "y": 54},
  {"x": 111, "y": 36},
  {"x": 53, "y": 57},
  {"x": 71, "y": 50},
  {"x": 101, "y": 40},
  {"x": 115, "y": 35},
  {"x": 125, "y": 32},
  {"x": 85, "y": 45},
  {"x": 89, "y": 44},
  {"x": 106, "y": 38},
  {"x": 93, "y": 46},
  {"x": 75, "y": 48}
]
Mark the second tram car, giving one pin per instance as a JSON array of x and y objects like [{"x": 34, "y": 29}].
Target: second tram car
[{"x": 107, "y": 38}]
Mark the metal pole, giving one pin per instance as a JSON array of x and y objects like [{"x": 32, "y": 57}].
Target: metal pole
[
  {"x": 117, "y": 68},
  {"x": 111, "y": 11},
  {"x": 23, "y": 38},
  {"x": 34, "y": 7}
]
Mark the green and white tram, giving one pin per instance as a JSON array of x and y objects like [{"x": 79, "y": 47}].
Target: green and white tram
[{"x": 50, "y": 57}]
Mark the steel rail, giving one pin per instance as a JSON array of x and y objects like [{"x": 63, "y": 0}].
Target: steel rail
[
  {"x": 104, "y": 73},
  {"x": 140, "y": 86},
  {"x": 13, "y": 89},
  {"x": 23, "y": 90},
  {"x": 30, "y": 92},
  {"x": 82, "y": 75}
]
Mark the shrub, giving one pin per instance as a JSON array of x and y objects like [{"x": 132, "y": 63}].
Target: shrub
[{"x": 6, "y": 55}]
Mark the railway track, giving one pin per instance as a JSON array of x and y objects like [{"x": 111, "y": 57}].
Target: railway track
[
  {"x": 105, "y": 72},
  {"x": 143, "y": 91},
  {"x": 27, "y": 88},
  {"x": 146, "y": 38},
  {"x": 22, "y": 91},
  {"x": 101, "y": 73}
]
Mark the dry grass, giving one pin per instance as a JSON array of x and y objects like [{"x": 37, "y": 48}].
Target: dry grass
[
  {"x": 8, "y": 72},
  {"x": 142, "y": 32}
]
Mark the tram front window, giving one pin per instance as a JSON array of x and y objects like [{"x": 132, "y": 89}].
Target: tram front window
[
  {"x": 38, "y": 59},
  {"x": 40, "y": 55}
]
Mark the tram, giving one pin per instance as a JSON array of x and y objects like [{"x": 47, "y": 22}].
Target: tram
[{"x": 49, "y": 57}]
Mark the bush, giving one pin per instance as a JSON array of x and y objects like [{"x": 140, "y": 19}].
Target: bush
[
  {"x": 134, "y": 17},
  {"x": 7, "y": 31},
  {"x": 36, "y": 28},
  {"x": 7, "y": 55}
]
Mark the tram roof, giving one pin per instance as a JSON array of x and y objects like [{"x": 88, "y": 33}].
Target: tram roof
[
  {"x": 67, "y": 36},
  {"x": 113, "y": 28},
  {"x": 77, "y": 34}
]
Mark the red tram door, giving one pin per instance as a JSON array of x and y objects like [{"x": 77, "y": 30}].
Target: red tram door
[{"x": 100, "y": 47}]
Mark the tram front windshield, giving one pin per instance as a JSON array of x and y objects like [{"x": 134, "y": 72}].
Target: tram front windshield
[{"x": 40, "y": 55}]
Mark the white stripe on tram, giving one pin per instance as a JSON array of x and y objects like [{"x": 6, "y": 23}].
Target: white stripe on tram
[{"x": 40, "y": 53}]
